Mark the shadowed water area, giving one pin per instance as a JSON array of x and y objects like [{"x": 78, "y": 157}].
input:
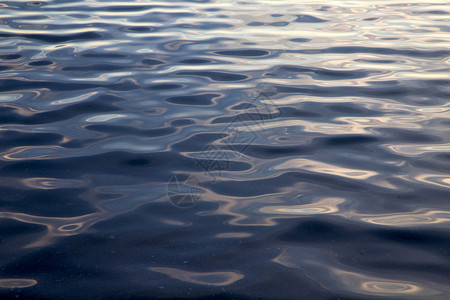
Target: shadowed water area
[{"x": 224, "y": 149}]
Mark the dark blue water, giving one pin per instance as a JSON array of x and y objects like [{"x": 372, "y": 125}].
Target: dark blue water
[{"x": 224, "y": 149}]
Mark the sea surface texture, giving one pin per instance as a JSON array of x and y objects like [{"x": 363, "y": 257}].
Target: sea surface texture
[{"x": 225, "y": 149}]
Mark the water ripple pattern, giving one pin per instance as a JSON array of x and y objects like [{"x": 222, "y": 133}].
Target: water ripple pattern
[{"x": 233, "y": 149}]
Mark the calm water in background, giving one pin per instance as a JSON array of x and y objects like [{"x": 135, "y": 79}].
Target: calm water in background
[{"x": 247, "y": 149}]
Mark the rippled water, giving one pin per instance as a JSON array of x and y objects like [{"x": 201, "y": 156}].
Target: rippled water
[{"x": 234, "y": 149}]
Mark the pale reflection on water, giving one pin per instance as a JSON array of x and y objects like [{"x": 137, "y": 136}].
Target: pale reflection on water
[
  {"x": 203, "y": 278},
  {"x": 315, "y": 134},
  {"x": 330, "y": 275}
]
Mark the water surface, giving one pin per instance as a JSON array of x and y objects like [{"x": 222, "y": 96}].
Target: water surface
[{"x": 224, "y": 149}]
